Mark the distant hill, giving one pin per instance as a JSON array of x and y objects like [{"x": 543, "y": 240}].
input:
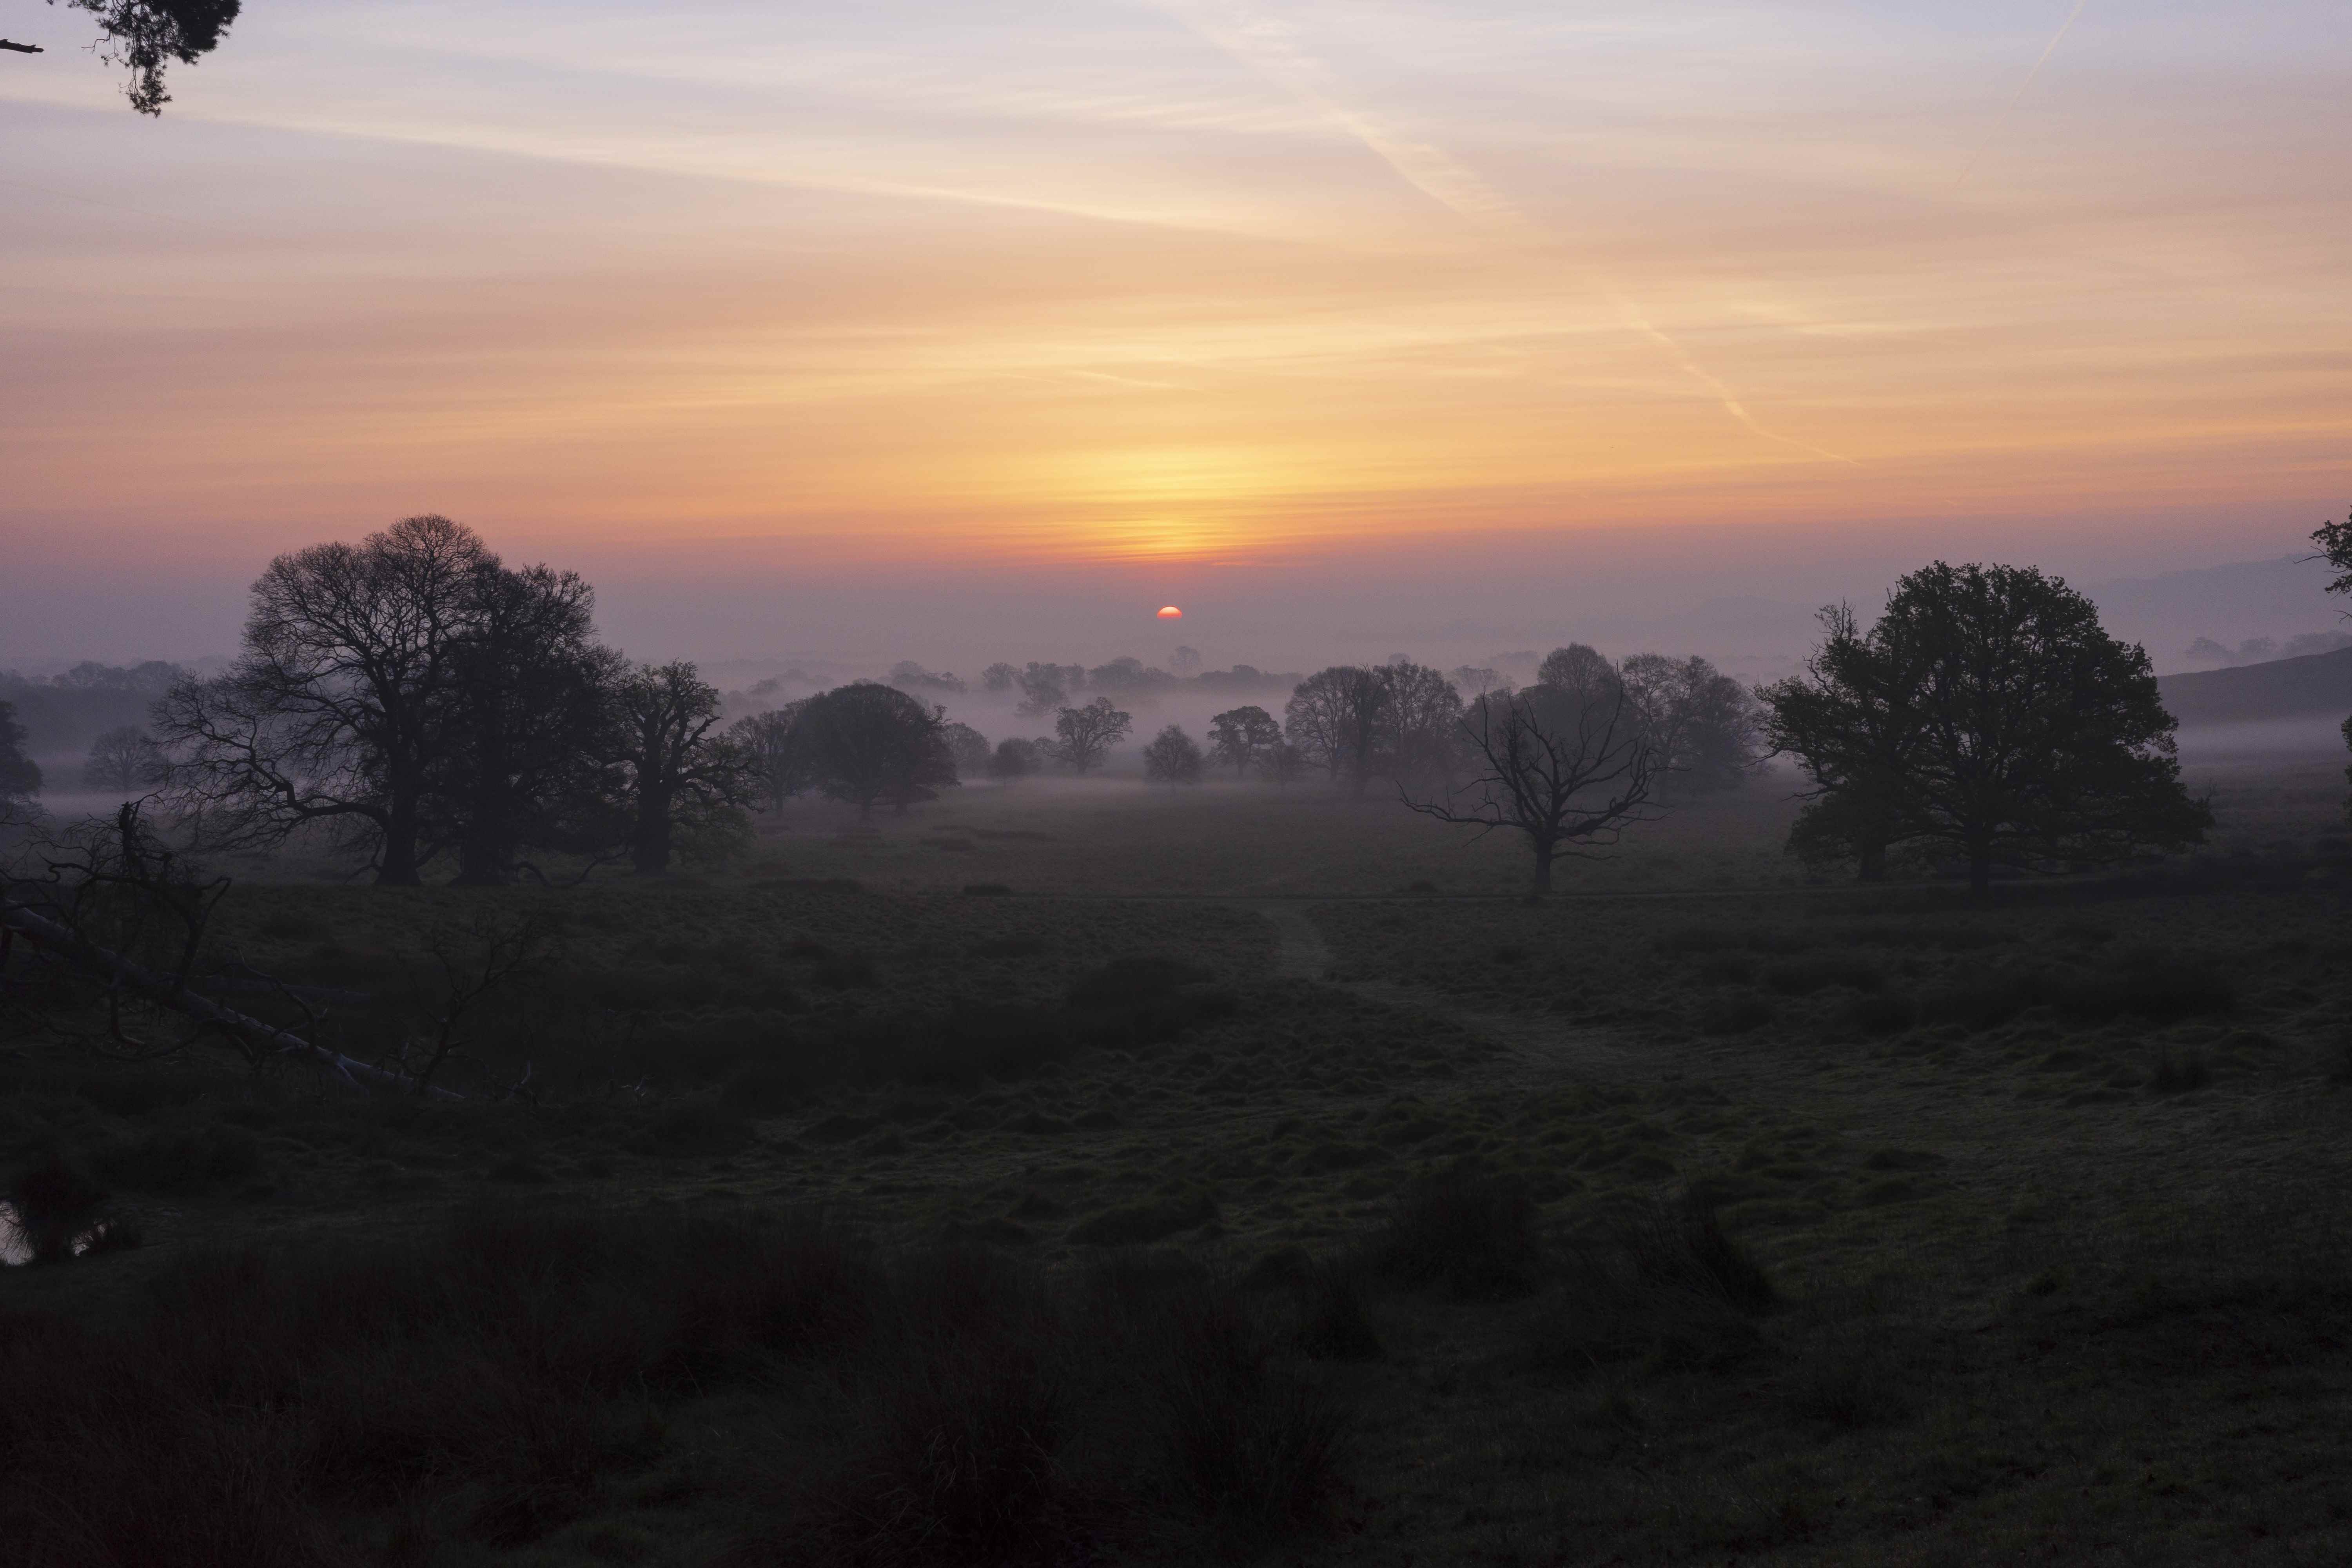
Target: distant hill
[{"x": 2314, "y": 685}]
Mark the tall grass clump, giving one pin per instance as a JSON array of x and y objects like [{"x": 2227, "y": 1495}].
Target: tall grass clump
[{"x": 1466, "y": 1228}]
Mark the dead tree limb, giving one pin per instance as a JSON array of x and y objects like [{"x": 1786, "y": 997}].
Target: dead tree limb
[{"x": 169, "y": 991}]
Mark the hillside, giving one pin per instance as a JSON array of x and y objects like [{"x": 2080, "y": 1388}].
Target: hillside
[{"x": 2316, "y": 684}]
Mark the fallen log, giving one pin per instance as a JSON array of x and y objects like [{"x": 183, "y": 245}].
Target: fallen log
[{"x": 62, "y": 941}]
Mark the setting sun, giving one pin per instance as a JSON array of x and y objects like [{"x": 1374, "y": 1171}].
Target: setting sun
[{"x": 1170, "y": 613}]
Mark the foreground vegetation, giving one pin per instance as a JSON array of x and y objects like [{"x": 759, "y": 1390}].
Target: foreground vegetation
[{"x": 847, "y": 1216}]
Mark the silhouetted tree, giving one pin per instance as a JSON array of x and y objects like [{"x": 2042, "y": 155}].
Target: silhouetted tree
[
  {"x": 1704, "y": 724},
  {"x": 1987, "y": 710},
  {"x": 1046, "y": 686},
  {"x": 969, "y": 747},
  {"x": 1334, "y": 717},
  {"x": 1283, "y": 761},
  {"x": 999, "y": 676},
  {"x": 1568, "y": 766},
  {"x": 1477, "y": 680},
  {"x": 909, "y": 677},
  {"x": 146, "y": 37},
  {"x": 1185, "y": 661},
  {"x": 338, "y": 711},
  {"x": 868, "y": 744},
  {"x": 1417, "y": 726},
  {"x": 2334, "y": 541},
  {"x": 1086, "y": 735},
  {"x": 777, "y": 753},
  {"x": 1239, "y": 736},
  {"x": 1171, "y": 757},
  {"x": 122, "y": 760},
  {"x": 529, "y": 711},
  {"x": 20, "y": 777},
  {"x": 1013, "y": 758},
  {"x": 675, "y": 768}
]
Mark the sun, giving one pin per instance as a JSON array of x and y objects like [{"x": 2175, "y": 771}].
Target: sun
[{"x": 1170, "y": 613}]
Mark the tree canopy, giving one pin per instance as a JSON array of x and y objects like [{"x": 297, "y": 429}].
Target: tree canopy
[
  {"x": 1987, "y": 713},
  {"x": 146, "y": 38}
]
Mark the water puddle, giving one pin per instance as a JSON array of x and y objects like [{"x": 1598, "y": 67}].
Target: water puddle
[{"x": 16, "y": 1248}]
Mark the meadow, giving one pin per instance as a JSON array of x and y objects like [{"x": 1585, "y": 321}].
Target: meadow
[{"x": 1086, "y": 1173}]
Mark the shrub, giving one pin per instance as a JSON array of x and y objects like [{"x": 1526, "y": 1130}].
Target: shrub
[
  {"x": 1683, "y": 1247},
  {"x": 1466, "y": 1228},
  {"x": 959, "y": 1463},
  {"x": 1333, "y": 1324},
  {"x": 1254, "y": 1441}
]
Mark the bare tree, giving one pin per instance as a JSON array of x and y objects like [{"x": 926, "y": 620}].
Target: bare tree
[
  {"x": 664, "y": 715},
  {"x": 124, "y": 760},
  {"x": 1570, "y": 768},
  {"x": 1087, "y": 734},
  {"x": 20, "y": 777},
  {"x": 1334, "y": 717},
  {"x": 1417, "y": 725},
  {"x": 1239, "y": 736},
  {"x": 337, "y": 712},
  {"x": 1173, "y": 757},
  {"x": 777, "y": 755}
]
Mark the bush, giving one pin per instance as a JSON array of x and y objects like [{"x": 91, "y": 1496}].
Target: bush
[
  {"x": 1333, "y": 1324},
  {"x": 1683, "y": 1247},
  {"x": 1173, "y": 757},
  {"x": 1254, "y": 1441},
  {"x": 1466, "y": 1228}
]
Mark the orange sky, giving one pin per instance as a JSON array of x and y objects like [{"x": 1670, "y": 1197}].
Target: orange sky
[{"x": 1158, "y": 287}]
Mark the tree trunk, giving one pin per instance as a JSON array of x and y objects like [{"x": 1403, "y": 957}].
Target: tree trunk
[
  {"x": 399, "y": 868},
  {"x": 653, "y": 833},
  {"x": 1980, "y": 869},
  {"x": 1874, "y": 862},
  {"x": 1544, "y": 851}
]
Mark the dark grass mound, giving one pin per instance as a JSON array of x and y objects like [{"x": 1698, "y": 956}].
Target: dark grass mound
[
  {"x": 2149, "y": 983},
  {"x": 499, "y": 1381},
  {"x": 1659, "y": 1285},
  {"x": 1464, "y": 1228}
]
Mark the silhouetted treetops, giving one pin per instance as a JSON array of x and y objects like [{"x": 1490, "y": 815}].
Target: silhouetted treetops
[{"x": 1987, "y": 713}]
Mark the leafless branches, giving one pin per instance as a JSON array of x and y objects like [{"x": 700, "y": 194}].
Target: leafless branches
[{"x": 1570, "y": 768}]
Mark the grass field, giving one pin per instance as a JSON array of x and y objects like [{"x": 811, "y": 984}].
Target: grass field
[{"x": 1235, "y": 1174}]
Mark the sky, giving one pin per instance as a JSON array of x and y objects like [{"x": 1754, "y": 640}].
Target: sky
[{"x": 967, "y": 331}]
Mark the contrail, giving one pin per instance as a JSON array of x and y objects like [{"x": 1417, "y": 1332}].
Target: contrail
[
  {"x": 2019, "y": 96},
  {"x": 1265, "y": 48}
]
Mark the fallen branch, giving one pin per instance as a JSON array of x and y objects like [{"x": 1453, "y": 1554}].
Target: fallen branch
[{"x": 61, "y": 941}]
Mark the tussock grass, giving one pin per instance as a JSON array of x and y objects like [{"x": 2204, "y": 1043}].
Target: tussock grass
[
  {"x": 1464, "y": 1228},
  {"x": 504, "y": 1376}
]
